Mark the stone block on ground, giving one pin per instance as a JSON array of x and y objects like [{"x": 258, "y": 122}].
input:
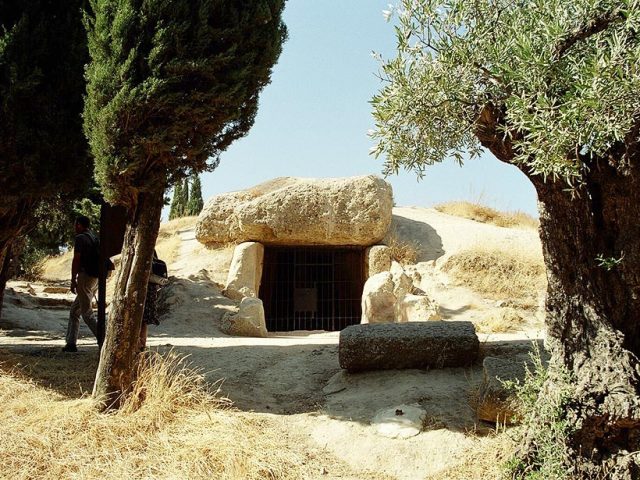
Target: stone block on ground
[
  {"x": 434, "y": 344},
  {"x": 495, "y": 402},
  {"x": 248, "y": 322},
  {"x": 245, "y": 271},
  {"x": 301, "y": 211}
]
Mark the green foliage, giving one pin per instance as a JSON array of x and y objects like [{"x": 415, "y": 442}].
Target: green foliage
[
  {"x": 43, "y": 152},
  {"x": 609, "y": 263},
  {"x": 172, "y": 83},
  {"x": 176, "y": 206},
  {"x": 542, "y": 406},
  {"x": 563, "y": 75},
  {"x": 52, "y": 230},
  {"x": 195, "y": 204}
]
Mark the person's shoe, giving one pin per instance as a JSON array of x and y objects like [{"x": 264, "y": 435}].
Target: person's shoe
[{"x": 69, "y": 348}]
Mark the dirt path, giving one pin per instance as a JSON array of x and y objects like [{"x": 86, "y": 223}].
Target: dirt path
[{"x": 294, "y": 378}]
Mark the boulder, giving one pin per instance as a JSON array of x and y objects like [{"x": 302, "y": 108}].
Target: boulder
[
  {"x": 495, "y": 402},
  {"x": 417, "y": 308},
  {"x": 296, "y": 211},
  {"x": 377, "y": 260},
  {"x": 248, "y": 322},
  {"x": 388, "y": 346},
  {"x": 245, "y": 271},
  {"x": 378, "y": 299}
]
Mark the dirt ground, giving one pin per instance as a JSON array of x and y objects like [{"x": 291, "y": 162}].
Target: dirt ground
[{"x": 294, "y": 378}]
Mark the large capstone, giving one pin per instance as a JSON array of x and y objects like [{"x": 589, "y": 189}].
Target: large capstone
[
  {"x": 296, "y": 211},
  {"x": 385, "y": 346}
]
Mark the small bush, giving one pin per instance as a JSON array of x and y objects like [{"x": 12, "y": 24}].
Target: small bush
[
  {"x": 405, "y": 253},
  {"x": 545, "y": 429},
  {"x": 484, "y": 214}
]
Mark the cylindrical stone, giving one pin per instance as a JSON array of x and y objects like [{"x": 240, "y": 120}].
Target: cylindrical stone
[{"x": 433, "y": 344}]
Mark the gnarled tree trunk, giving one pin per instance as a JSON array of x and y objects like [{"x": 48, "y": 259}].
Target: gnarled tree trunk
[
  {"x": 118, "y": 359},
  {"x": 591, "y": 243}
]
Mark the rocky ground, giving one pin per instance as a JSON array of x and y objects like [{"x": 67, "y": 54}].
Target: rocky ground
[{"x": 295, "y": 378}]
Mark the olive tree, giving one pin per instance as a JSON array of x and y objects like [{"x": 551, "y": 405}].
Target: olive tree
[
  {"x": 171, "y": 84},
  {"x": 552, "y": 87}
]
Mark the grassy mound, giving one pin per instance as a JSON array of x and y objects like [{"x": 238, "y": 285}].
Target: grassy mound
[
  {"x": 484, "y": 214},
  {"x": 499, "y": 274}
]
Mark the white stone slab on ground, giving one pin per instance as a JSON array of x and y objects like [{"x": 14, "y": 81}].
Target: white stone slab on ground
[{"x": 402, "y": 421}]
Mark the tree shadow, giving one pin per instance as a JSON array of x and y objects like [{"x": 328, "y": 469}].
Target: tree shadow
[{"x": 69, "y": 374}]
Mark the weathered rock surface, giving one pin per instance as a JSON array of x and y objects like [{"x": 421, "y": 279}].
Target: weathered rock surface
[
  {"x": 245, "y": 271},
  {"x": 377, "y": 260},
  {"x": 495, "y": 402},
  {"x": 387, "y": 298},
  {"x": 248, "y": 322},
  {"x": 403, "y": 421},
  {"x": 417, "y": 308},
  {"x": 378, "y": 299},
  {"x": 387, "y": 346},
  {"x": 296, "y": 211}
]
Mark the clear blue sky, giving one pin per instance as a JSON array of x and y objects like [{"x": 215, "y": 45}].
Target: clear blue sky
[{"x": 315, "y": 114}]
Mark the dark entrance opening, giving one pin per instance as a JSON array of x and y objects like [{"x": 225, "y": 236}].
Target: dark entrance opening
[{"x": 312, "y": 288}]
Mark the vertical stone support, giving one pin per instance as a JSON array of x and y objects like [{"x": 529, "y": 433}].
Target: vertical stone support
[
  {"x": 245, "y": 272},
  {"x": 377, "y": 260}
]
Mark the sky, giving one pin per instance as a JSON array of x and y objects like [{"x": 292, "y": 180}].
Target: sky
[{"x": 314, "y": 116}]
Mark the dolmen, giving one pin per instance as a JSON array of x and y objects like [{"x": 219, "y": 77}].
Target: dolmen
[{"x": 388, "y": 346}]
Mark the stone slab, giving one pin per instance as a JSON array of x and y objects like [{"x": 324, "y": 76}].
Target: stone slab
[{"x": 433, "y": 344}]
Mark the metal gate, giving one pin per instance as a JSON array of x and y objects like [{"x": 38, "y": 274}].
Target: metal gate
[{"x": 312, "y": 288}]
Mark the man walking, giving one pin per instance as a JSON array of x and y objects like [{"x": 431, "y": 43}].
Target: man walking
[{"x": 84, "y": 281}]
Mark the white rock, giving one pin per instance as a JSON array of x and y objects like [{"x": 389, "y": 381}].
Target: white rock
[
  {"x": 378, "y": 299},
  {"x": 248, "y": 322},
  {"x": 245, "y": 271},
  {"x": 403, "y": 421},
  {"x": 417, "y": 308},
  {"x": 295, "y": 211}
]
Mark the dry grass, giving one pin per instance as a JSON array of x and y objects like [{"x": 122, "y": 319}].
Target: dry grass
[
  {"x": 58, "y": 267},
  {"x": 501, "y": 321},
  {"x": 484, "y": 214},
  {"x": 171, "y": 427},
  {"x": 486, "y": 460},
  {"x": 405, "y": 253},
  {"x": 168, "y": 244},
  {"x": 499, "y": 274},
  {"x": 174, "y": 226}
]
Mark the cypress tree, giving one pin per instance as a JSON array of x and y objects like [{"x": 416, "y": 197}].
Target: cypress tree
[
  {"x": 184, "y": 200},
  {"x": 171, "y": 84},
  {"x": 175, "y": 202},
  {"x": 195, "y": 200},
  {"x": 43, "y": 152}
]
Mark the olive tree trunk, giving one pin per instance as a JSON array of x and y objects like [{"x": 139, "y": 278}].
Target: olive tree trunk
[
  {"x": 119, "y": 356},
  {"x": 591, "y": 245}
]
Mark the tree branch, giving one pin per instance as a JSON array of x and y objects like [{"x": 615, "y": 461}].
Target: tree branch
[{"x": 592, "y": 27}]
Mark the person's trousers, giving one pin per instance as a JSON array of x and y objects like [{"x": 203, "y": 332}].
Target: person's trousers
[{"x": 81, "y": 307}]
